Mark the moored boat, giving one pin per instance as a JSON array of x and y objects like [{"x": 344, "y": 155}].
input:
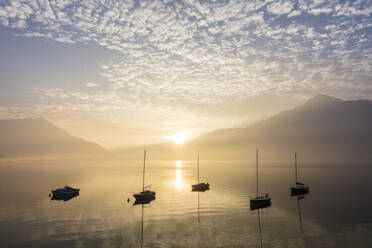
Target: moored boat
[
  {"x": 199, "y": 186},
  {"x": 259, "y": 201},
  {"x": 145, "y": 193},
  {"x": 65, "y": 191},
  {"x": 299, "y": 188}
]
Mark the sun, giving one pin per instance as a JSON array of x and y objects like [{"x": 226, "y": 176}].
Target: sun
[
  {"x": 179, "y": 138},
  {"x": 179, "y": 164}
]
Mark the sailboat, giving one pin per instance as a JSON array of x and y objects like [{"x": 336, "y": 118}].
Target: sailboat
[
  {"x": 146, "y": 194},
  {"x": 259, "y": 201},
  {"x": 200, "y": 186},
  {"x": 299, "y": 188}
]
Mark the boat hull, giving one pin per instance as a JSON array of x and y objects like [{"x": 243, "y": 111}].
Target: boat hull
[
  {"x": 144, "y": 200},
  {"x": 260, "y": 202},
  {"x": 200, "y": 187},
  {"x": 65, "y": 192},
  {"x": 258, "y": 205},
  {"x": 299, "y": 190},
  {"x": 144, "y": 195},
  {"x": 64, "y": 197}
]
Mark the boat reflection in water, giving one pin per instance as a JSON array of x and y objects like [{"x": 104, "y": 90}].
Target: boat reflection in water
[
  {"x": 299, "y": 193},
  {"x": 259, "y": 207},
  {"x": 199, "y": 204},
  {"x": 64, "y": 197},
  {"x": 143, "y": 202},
  {"x": 299, "y": 210},
  {"x": 259, "y": 226},
  {"x": 299, "y": 196}
]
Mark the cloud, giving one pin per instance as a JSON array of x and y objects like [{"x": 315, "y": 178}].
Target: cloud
[
  {"x": 319, "y": 11},
  {"x": 178, "y": 55},
  {"x": 92, "y": 85},
  {"x": 280, "y": 7}
]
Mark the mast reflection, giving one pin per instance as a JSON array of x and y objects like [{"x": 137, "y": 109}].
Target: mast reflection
[
  {"x": 258, "y": 207},
  {"x": 143, "y": 204},
  {"x": 299, "y": 196},
  {"x": 259, "y": 226},
  {"x": 199, "y": 192}
]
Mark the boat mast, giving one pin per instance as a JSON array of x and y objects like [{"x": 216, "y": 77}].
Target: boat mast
[
  {"x": 198, "y": 168},
  {"x": 257, "y": 169},
  {"x": 143, "y": 179},
  {"x": 296, "y": 166}
]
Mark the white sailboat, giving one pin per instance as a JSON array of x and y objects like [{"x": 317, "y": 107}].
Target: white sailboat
[
  {"x": 145, "y": 194},
  {"x": 200, "y": 186},
  {"x": 259, "y": 201},
  {"x": 299, "y": 188}
]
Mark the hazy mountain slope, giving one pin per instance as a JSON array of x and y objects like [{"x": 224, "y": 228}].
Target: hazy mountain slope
[
  {"x": 38, "y": 137},
  {"x": 325, "y": 130}
]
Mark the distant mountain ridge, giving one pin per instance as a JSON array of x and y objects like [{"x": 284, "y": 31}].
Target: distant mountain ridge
[
  {"x": 38, "y": 137},
  {"x": 325, "y": 130}
]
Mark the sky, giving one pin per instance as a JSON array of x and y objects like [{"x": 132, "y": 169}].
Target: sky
[{"x": 124, "y": 73}]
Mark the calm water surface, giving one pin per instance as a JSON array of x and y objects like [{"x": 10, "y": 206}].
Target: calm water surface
[{"x": 336, "y": 212}]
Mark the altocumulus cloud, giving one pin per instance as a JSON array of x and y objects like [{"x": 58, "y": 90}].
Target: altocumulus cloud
[
  {"x": 228, "y": 48},
  {"x": 189, "y": 52}
]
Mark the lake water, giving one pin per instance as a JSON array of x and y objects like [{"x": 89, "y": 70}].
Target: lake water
[{"x": 336, "y": 212}]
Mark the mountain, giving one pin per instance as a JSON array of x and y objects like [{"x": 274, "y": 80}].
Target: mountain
[
  {"x": 325, "y": 130},
  {"x": 38, "y": 137}
]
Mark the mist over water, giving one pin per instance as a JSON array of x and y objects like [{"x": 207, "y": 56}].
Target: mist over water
[{"x": 334, "y": 214}]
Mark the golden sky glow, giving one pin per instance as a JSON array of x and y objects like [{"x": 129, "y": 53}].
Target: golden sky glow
[
  {"x": 180, "y": 138},
  {"x": 124, "y": 73},
  {"x": 179, "y": 164}
]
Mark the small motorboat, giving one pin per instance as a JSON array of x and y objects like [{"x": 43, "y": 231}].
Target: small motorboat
[
  {"x": 299, "y": 188},
  {"x": 65, "y": 191}
]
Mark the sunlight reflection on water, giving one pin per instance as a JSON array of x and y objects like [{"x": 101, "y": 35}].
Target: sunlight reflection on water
[
  {"x": 101, "y": 216},
  {"x": 179, "y": 182}
]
